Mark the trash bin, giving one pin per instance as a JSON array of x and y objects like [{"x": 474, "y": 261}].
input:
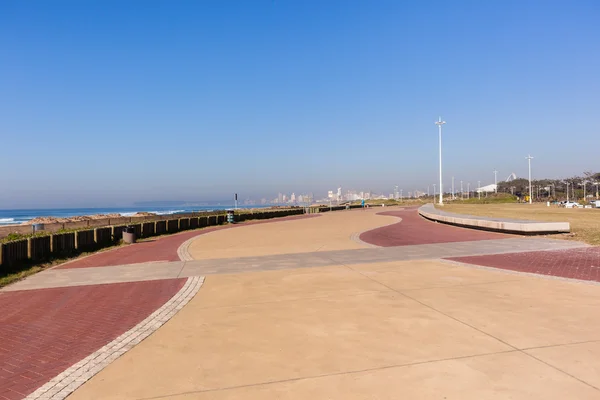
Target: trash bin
[
  {"x": 129, "y": 234},
  {"x": 230, "y": 217},
  {"x": 38, "y": 227}
]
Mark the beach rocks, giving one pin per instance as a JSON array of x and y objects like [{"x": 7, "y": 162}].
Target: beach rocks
[{"x": 55, "y": 220}]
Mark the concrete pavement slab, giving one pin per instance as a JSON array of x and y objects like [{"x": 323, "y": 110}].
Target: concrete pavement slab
[
  {"x": 579, "y": 360},
  {"x": 258, "y": 343},
  {"x": 285, "y": 285},
  {"x": 492, "y": 377},
  {"x": 422, "y": 274},
  {"x": 525, "y": 313}
]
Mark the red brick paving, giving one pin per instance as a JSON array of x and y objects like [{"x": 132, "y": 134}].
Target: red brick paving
[
  {"x": 582, "y": 263},
  {"x": 43, "y": 332},
  {"x": 160, "y": 249},
  {"x": 414, "y": 229}
]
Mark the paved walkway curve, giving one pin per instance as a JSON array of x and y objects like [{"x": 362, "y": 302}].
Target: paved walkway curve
[
  {"x": 160, "y": 249},
  {"x": 414, "y": 229},
  {"x": 345, "y": 311}
]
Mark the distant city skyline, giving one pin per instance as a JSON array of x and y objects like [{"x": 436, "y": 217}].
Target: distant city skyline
[{"x": 110, "y": 103}]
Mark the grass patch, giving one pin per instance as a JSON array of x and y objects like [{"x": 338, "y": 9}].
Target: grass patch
[
  {"x": 7, "y": 278},
  {"x": 585, "y": 222},
  {"x": 500, "y": 198}
]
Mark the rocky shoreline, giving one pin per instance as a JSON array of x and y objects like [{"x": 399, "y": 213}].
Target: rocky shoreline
[{"x": 57, "y": 220}]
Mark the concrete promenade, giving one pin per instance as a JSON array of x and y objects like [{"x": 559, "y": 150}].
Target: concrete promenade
[{"x": 356, "y": 304}]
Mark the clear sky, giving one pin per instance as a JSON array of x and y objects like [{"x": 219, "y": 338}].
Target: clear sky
[{"x": 109, "y": 102}]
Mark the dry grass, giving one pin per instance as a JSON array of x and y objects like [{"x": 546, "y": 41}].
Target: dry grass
[{"x": 585, "y": 222}]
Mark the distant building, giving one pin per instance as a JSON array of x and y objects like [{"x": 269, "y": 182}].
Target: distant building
[{"x": 487, "y": 189}]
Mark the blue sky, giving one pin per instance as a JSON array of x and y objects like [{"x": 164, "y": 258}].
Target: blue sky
[{"x": 107, "y": 102}]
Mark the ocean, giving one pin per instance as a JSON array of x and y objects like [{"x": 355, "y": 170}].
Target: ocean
[{"x": 13, "y": 217}]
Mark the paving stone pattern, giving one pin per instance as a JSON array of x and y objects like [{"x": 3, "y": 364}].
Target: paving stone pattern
[
  {"x": 581, "y": 263},
  {"x": 414, "y": 229},
  {"x": 44, "y": 332}
]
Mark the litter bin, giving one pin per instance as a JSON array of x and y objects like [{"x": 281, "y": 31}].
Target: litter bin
[
  {"x": 230, "y": 217},
  {"x": 129, "y": 234},
  {"x": 38, "y": 227}
]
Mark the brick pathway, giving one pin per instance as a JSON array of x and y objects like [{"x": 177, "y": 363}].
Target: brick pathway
[
  {"x": 43, "y": 332},
  {"x": 582, "y": 263},
  {"x": 159, "y": 249},
  {"x": 414, "y": 229}
]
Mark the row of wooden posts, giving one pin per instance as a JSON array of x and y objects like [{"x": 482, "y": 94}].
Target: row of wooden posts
[{"x": 17, "y": 254}]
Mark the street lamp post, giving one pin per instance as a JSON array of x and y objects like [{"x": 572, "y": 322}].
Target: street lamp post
[
  {"x": 434, "y": 191},
  {"x": 468, "y": 190},
  {"x": 529, "y": 158},
  {"x": 479, "y": 189},
  {"x": 439, "y": 123},
  {"x": 453, "y": 188},
  {"x": 462, "y": 192},
  {"x": 495, "y": 181}
]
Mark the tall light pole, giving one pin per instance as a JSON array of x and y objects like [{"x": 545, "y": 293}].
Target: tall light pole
[
  {"x": 434, "y": 191},
  {"x": 529, "y": 158},
  {"x": 468, "y": 190},
  {"x": 453, "y": 189},
  {"x": 567, "y": 191},
  {"x": 462, "y": 192},
  {"x": 495, "y": 181},
  {"x": 439, "y": 123},
  {"x": 479, "y": 189}
]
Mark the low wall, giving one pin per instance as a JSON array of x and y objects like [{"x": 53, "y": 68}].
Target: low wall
[
  {"x": 160, "y": 227},
  {"x": 148, "y": 229},
  {"x": 14, "y": 253},
  {"x": 39, "y": 248},
  {"x": 184, "y": 224},
  {"x": 173, "y": 225},
  {"x": 84, "y": 240},
  {"x": 117, "y": 233},
  {"x": 493, "y": 224},
  {"x": 63, "y": 244},
  {"x": 103, "y": 236}
]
